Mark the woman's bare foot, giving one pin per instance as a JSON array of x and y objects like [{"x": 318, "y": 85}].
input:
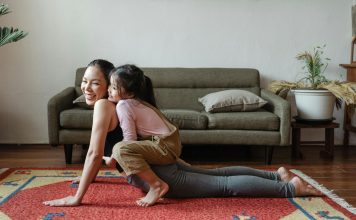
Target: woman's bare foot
[
  {"x": 154, "y": 194},
  {"x": 304, "y": 189},
  {"x": 109, "y": 161},
  {"x": 284, "y": 174}
]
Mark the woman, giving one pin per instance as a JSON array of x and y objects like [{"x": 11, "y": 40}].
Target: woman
[{"x": 105, "y": 126}]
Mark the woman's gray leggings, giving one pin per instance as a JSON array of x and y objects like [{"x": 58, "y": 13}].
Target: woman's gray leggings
[{"x": 189, "y": 181}]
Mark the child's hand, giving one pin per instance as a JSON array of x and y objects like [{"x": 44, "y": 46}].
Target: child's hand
[{"x": 75, "y": 180}]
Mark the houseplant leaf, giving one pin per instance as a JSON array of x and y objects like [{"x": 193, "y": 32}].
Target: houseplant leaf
[
  {"x": 4, "y": 9},
  {"x": 9, "y": 34}
]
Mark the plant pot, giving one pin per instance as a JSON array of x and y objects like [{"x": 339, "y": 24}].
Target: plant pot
[{"x": 314, "y": 104}]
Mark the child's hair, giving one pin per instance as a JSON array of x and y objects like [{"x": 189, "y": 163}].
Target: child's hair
[
  {"x": 104, "y": 66},
  {"x": 133, "y": 80}
]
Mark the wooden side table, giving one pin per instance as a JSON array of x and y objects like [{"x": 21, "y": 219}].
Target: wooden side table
[
  {"x": 328, "y": 143},
  {"x": 351, "y": 76}
]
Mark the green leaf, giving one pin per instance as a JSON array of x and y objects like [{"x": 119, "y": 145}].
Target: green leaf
[
  {"x": 9, "y": 34},
  {"x": 4, "y": 9}
]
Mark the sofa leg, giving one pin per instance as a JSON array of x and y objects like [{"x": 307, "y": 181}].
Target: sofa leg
[
  {"x": 68, "y": 149},
  {"x": 268, "y": 154}
]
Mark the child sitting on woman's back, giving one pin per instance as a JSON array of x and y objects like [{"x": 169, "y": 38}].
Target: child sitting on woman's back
[{"x": 149, "y": 138}]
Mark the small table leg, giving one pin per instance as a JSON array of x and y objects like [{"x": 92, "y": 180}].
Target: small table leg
[
  {"x": 296, "y": 153},
  {"x": 328, "y": 152},
  {"x": 347, "y": 123}
]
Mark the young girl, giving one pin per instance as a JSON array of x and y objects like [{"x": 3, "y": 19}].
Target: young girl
[{"x": 149, "y": 138}]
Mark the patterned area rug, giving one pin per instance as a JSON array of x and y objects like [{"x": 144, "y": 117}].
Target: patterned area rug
[{"x": 22, "y": 192}]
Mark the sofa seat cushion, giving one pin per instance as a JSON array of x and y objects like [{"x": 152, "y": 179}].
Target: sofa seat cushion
[
  {"x": 184, "y": 119},
  {"x": 187, "y": 119},
  {"x": 257, "y": 120},
  {"x": 76, "y": 118}
]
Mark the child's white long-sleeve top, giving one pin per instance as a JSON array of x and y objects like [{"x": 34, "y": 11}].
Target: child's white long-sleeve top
[{"x": 136, "y": 119}]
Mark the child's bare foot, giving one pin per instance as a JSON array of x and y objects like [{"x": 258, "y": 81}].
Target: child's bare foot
[
  {"x": 284, "y": 174},
  {"x": 304, "y": 189},
  {"x": 154, "y": 194},
  {"x": 109, "y": 161},
  {"x": 76, "y": 180}
]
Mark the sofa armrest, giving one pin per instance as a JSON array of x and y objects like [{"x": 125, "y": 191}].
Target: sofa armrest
[
  {"x": 282, "y": 109},
  {"x": 58, "y": 103}
]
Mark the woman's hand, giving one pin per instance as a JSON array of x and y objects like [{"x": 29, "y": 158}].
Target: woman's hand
[{"x": 67, "y": 201}]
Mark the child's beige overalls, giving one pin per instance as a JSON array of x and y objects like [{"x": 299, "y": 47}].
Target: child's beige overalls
[{"x": 135, "y": 156}]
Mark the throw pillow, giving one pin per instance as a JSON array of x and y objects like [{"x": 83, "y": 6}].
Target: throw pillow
[
  {"x": 80, "y": 102},
  {"x": 231, "y": 101}
]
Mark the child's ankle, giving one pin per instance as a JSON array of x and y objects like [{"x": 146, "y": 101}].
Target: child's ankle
[{"x": 158, "y": 184}]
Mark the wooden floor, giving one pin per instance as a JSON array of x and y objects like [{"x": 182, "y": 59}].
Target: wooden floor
[{"x": 338, "y": 174}]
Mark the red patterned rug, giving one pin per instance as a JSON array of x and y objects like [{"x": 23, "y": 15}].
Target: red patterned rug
[{"x": 22, "y": 192}]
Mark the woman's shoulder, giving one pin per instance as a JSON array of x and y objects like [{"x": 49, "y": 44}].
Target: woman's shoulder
[
  {"x": 105, "y": 110},
  {"x": 104, "y": 105}
]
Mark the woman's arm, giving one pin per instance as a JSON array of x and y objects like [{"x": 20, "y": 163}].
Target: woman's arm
[{"x": 104, "y": 114}]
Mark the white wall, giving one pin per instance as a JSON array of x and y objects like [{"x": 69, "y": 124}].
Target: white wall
[{"x": 66, "y": 34}]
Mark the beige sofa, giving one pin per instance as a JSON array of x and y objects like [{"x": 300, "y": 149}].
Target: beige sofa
[{"x": 177, "y": 92}]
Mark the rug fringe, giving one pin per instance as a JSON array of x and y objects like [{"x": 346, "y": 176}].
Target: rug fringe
[{"x": 326, "y": 191}]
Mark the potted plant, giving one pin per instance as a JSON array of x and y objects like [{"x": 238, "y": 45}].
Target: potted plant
[
  {"x": 314, "y": 94},
  {"x": 9, "y": 34}
]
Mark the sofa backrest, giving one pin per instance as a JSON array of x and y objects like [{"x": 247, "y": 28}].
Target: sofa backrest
[{"x": 180, "y": 88}]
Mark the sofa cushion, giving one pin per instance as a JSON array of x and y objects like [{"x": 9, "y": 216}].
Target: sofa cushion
[
  {"x": 186, "y": 119},
  {"x": 180, "y": 88},
  {"x": 76, "y": 118},
  {"x": 233, "y": 100},
  {"x": 80, "y": 102},
  {"x": 257, "y": 120}
]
